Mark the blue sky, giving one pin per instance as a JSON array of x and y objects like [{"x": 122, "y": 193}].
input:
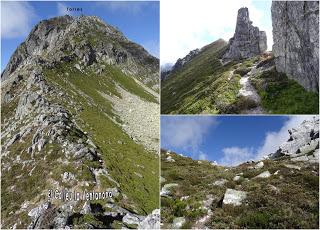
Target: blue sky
[
  {"x": 139, "y": 21},
  {"x": 229, "y": 140},
  {"x": 200, "y": 22}
]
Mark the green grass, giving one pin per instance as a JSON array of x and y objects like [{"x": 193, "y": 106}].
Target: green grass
[
  {"x": 180, "y": 88},
  {"x": 263, "y": 208},
  {"x": 280, "y": 95},
  {"x": 121, "y": 159}
]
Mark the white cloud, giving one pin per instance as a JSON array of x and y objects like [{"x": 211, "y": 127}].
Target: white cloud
[
  {"x": 189, "y": 25},
  {"x": 236, "y": 155},
  {"x": 233, "y": 156},
  {"x": 184, "y": 132},
  {"x": 274, "y": 139},
  {"x": 16, "y": 19}
]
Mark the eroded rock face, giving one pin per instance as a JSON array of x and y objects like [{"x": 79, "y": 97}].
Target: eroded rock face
[
  {"x": 248, "y": 40},
  {"x": 303, "y": 143},
  {"x": 296, "y": 41}
]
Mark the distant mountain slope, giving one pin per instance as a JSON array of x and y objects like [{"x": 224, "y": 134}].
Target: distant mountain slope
[
  {"x": 279, "y": 192},
  {"x": 79, "y": 112}
]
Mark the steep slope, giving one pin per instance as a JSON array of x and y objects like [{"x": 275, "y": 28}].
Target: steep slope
[
  {"x": 79, "y": 112},
  {"x": 278, "y": 192},
  {"x": 296, "y": 40},
  {"x": 239, "y": 77}
]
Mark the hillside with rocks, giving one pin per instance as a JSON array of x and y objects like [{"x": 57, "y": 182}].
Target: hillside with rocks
[
  {"x": 280, "y": 191},
  {"x": 241, "y": 77},
  {"x": 79, "y": 112}
]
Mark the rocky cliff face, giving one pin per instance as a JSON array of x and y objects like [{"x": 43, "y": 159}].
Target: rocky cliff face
[
  {"x": 303, "y": 143},
  {"x": 78, "y": 114},
  {"x": 66, "y": 38},
  {"x": 250, "y": 195},
  {"x": 296, "y": 40},
  {"x": 248, "y": 40}
]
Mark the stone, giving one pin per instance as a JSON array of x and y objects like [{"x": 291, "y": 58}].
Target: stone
[
  {"x": 290, "y": 166},
  {"x": 130, "y": 218},
  {"x": 295, "y": 28},
  {"x": 152, "y": 221},
  {"x": 248, "y": 40},
  {"x": 234, "y": 197},
  {"x": 236, "y": 178},
  {"x": 265, "y": 174},
  {"x": 259, "y": 165},
  {"x": 178, "y": 222},
  {"x": 36, "y": 212},
  {"x": 165, "y": 191},
  {"x": 170, "y": 159},
  {"x": 220, "y": 182},
  {"x": 302, "y": 140}
]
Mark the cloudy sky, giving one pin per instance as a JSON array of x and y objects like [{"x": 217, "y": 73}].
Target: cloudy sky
[
  {"x": 187, "y": 25},
  {"x": 229, "y": 140},
  {"x": 139, "y": 21}
]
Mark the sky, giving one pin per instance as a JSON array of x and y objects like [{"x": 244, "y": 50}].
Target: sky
[
  {"x": 187, "y": 25},
  {"x": 139, "y": 21},
  {"x": 228, "y": 140}
]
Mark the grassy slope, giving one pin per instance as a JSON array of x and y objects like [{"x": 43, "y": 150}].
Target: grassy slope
[
  {"x": 280, "y": 95},
  {"x": 295, "y": 206},
  {"x": 121, "y": 159},
  {"x": 196, "y": 83},
  {"x": 202, "y": 86}
]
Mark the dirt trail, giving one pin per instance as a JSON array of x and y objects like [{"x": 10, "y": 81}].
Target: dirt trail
[{"x": 247, "y": 90}]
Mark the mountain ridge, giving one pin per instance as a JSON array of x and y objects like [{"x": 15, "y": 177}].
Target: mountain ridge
[{"x": 62, "y": 93}]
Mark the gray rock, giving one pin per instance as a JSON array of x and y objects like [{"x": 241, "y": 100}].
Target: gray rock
[
  {"x": 290, "y": 166},
  {"x": 152, "y": 221},
  {"x": 220, "y": 182},
  {"x": 234, "y": 197},
  {"x": 259, "y": 165},
  {"x": 264, "y": 174},
  {"x": 302, "y": 140},
  {"x": 247, "y": 41},
  {"x": 165, "y": 191},
  {"x": 130, "y": 218},
  {"x": 296, "y": 41},
  {"x": 178, "y": 222}
]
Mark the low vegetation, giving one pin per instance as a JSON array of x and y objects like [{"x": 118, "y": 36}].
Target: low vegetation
[{"x": 287, "y": 199}]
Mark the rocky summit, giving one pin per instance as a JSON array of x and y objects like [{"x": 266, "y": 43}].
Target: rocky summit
[
  {"x": 280, "y": 191},
  {"x": 79, "y": 114},
  {"x": 296, "y": 40},
  {"x": 248, "y": 40}
]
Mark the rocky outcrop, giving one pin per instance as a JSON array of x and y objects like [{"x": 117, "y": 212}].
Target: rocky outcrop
[
  {"x": 45, "y": 130},
  {"x": 57, "y": 39},
  {"x": 234, "y": 197},
  {"x": 303, "y": 143},
  {"x": 179, "y": 64},
  {"x": 248, "y": 40},
  {"x": 296, "y": 41}
]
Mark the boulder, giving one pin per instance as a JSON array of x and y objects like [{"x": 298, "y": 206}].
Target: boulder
[
  {"x": 265, "y": 174},
  {"x": 234, "y": 197},
  {"x": 178, "y": 222},
  {"x": 152, "y": 221}
]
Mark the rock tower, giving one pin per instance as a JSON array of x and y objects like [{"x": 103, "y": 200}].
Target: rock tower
[{"x": 248, "y": 40}]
